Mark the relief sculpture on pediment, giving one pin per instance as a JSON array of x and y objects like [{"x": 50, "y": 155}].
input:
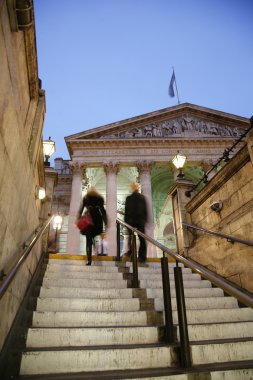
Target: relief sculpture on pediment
[{"x": 182, "y": 126}]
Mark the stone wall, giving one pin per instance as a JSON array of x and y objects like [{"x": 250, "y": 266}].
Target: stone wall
[
  {"x": 233, "y": 185},
  {"x": 22, "y": 109}
]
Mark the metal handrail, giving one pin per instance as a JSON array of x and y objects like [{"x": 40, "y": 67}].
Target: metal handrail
[
  {"x": 148, "y": 238},
  {"x": 224, "y": 157},
  {"x": 38, "y": 232},
  {"x": 185, "y": 356},
  {"x": 207, "y": 274},
  {"x": 219, "y": 234}
]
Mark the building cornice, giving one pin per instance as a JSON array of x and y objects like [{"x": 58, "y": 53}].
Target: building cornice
[
  {"x": 146, "y": 143},
  {"x": 185, "y": 121},
  {"x": 164, "y": 114}
]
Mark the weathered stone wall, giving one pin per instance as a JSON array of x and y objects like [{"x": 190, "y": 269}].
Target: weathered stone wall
[
  {"x": 233, "y": 185},
  {"x": 22, "y": 108}
]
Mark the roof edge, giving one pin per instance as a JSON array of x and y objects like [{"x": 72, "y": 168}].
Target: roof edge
[{"x": 160, "y": 112}]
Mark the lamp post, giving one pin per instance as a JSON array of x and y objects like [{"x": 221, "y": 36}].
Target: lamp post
[
  {"x": 57, "y": 224},
  {"x": 178, "y": 161},
  {"x": 40, "y": 192},
  {"x": 48, "y": 150}
]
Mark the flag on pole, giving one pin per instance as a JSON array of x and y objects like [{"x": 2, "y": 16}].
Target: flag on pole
[{"x": 171, "y": 88}]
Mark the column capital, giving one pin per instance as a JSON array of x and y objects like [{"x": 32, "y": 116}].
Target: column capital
[
  {"x": 111, "y": 167},
  {"x": 77, "y": 167},
  {"x": 144, "y": 166}
]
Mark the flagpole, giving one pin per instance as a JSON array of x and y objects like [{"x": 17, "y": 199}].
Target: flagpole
[{"x": 176, "y": 86}]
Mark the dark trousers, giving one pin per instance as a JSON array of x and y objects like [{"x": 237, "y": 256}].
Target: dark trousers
[
  {"x": 143, "y": 246},
  {"x": 89, "y": 243}
]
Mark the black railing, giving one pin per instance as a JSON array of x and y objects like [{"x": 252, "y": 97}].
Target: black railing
[
  {"x": 229, "y": 238},
  {"x": 27, "y": 249},
  {"x": 227, "y": 287},
  {"x": 223, "y": 158},
  {"x": 182, "y": 319}
]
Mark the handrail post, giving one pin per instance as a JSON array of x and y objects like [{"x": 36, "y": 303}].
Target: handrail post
[
  {"x": 169, "y": 331},
  {"x": 118, "y": 241},
  {"x": 134, "y": 259},
  {"x": 241, "y": 296},
  {"x": 182, "y": 319}
]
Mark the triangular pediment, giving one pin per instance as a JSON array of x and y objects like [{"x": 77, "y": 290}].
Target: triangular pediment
[{"x": 183, "y": 120}]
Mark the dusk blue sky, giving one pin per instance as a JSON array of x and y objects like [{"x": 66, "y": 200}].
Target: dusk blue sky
[{"x": 102, "y": 61}]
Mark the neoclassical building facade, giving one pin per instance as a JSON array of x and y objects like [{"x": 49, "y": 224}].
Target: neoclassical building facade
[{"x": 141, "y": 149}]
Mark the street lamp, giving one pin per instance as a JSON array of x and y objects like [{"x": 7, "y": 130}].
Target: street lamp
[
  {"x": 48, "y": 150},
  {"x": 179, "y": 161},
  {"x": 57, "y": 224},
  {"x": 40, "y": 192}
]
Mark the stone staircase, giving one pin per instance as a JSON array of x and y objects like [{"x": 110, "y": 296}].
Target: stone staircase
[{"x": 89, "y": 324}]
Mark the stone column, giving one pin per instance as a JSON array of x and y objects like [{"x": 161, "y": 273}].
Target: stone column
[
  {"x": 73, "y": 238},
  {"x": 179, "y": 201},
  {"x": 144, "y": 168},
  {"x": 111, "y": 170},
  {"x": 51, "y": 177},
  {"x": 175, "y": 172},
  {"x": 249, "y": 139}
]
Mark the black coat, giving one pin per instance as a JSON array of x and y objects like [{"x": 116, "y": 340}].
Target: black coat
[
  {"x": 95, "y": 205},
  {"x": 136, "y": 213}
]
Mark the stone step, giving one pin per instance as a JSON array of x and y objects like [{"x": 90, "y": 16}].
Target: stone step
[
  {"x": 131, "y": 304},
  {"x": 216, "y": 315},
  {"x": 89, "y": 318},
  {"x": 67, "y": 262},
  {"x": 85, "y": 283},
  {"x": 193, "y": 292},
  {"x": 187, "y": 284},
  {"x": 70, "y": 337},
  {"x": 221, "y": 352},
  {"x": 157, "y": 269},
  {"x": 201, "y": 303},
  {"x": 133, "y": 318},
  {"x": 84, "y": 274},
  {"x": 237, "y": 374},
  {"x": 112, "y": 275},
  {"x": 158, "y": 276},
  {"x": 82, "y": 262},
  {"x": 169, "y": 377},
  {"x": 54, "y": 267},
  {"x": 82, "y": 306},
  {"x": 79, "y": 304},
  {"x": 73, "y": 361},
  {"x": 62, "y": 292},
  {"x": 148, "y": 265},
  {"x": 220, "y": 331}
]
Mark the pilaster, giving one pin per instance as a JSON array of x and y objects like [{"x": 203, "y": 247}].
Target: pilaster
[
  {"x": 111, "y": 169},
  {"x": 179, "y": 201},
  {"x": 144, "y": 168},
  {"x": 73, "y": 239},
  {"x": 249, "y": 139},
  {"x": 51, "y": 177}
]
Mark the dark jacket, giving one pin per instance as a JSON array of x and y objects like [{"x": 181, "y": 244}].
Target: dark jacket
[
  {"x": 95, "y": 205},
  {"x": 136, "y": 213}
]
